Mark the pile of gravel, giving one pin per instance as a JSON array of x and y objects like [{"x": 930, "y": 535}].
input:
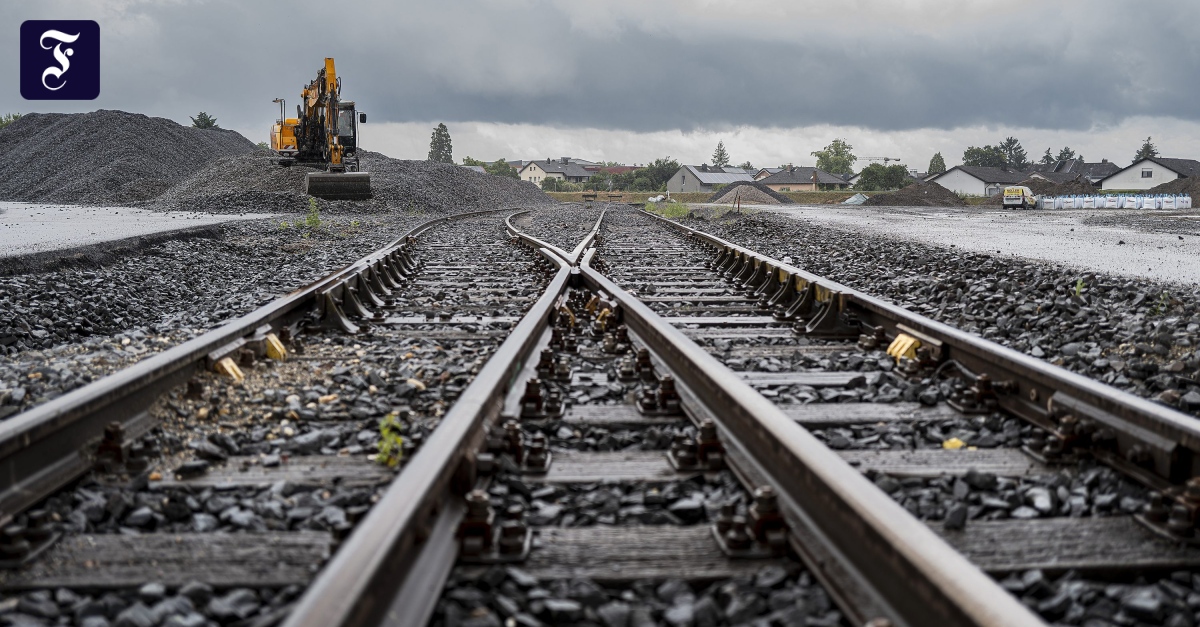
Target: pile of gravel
[
  {"x": 442, "y": 187},
  {"x": 247, "y": 183},
  {"x": 1043, "y": 187},
  {"x": 104, "y": 157},
  {"x": 1188, "y": 185},
  {"x": 917, "y": 195},
  {"x": 749, "y": 192},
  {"x": 255, "y": 183}
]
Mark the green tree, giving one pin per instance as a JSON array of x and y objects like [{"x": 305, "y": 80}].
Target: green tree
[
  {"x": 624, "y": 180},
  {"x": 836, "y": 158},
  {"x": 1014, "y": 154},
  {"x": 937, "y": 164},
  {"x": 876, "y": 177},
  {"x": 657, "y": 174},
  {"x": 264, "y": 145},
  {"x": 9, "y": 118},
  {"x": 500, "y": 167},
  {"x": 1047, "y": 159},
  {"x": 440, "y": 148},
  {"x": 467, "y": 160},
  {"x": 1147, "y": 151},
  {"x": 204, "y": 120},
  {"x": 988, "y": 157},
  {"x": 720, "y": 156},
  {"x": 1065, "y": 154},
  {"x": 601, "y": 181},
  {"x": 746, "y": 165},
  {"x": 644, "y": 184},
  {"x": 560, "y": 185}
]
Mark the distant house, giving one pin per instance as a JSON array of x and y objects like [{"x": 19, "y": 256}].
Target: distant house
[
  {"x": 618, "y": 169},
  {"x": 563, "y": 169},
  {"x": 476, "y": 168},
  {"x": 799, "y": 178},
  {"x": 1151, "y": 172},
  {"x": 765, "y": 172},
  {"x": 702, "y": 178},
  {"x": 1074, "y": 169},
  {"x": 978, "y": 180}
]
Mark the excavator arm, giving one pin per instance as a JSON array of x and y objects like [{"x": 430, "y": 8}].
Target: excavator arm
[{"x": 320, "y": 141}]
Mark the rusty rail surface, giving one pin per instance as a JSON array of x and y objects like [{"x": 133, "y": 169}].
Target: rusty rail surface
[{"x": 52, "y": 444}]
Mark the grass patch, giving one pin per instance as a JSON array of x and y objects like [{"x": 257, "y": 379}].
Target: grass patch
[
  {"x": 668, "y": 209},
  {"x": 391, "y": 443},
  {"x": 312, "y": 220}
]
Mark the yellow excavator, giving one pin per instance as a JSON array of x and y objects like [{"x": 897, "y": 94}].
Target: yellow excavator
[{"x": 323, "y": 134}]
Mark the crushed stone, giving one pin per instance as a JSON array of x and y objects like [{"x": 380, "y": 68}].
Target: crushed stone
[
  {"x": 104, "y": 157},
  {"x": 917, "y": 195}
]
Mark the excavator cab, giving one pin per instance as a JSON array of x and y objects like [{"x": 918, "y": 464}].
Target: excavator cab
[{"x": 347, "y": 127}]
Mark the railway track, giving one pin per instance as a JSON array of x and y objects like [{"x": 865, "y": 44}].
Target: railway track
[{"x": 649, "y": 426}]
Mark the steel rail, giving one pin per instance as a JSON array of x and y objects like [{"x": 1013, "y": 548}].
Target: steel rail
[
  {"x": 394, "y": 564},
  {"x": 392, "y": 568},
  {"x": 1163, "y": 443},
  {"x": 911, "y": 574},
  {"x": 51, "y": 444},
  {"x": 572, "y": 258}
]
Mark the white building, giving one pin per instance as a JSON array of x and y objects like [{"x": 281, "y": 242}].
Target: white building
[
  {"x": 1147, "y": 173},
  {"x": 564, "y": 169},
  {"x": 977, "y": 181},
  {"x": 702, "y": 178}
]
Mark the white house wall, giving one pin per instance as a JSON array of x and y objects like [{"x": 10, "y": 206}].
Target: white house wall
[
  {"x": 962, "y": 183},
  {"x": 1132, "y": 177},
  {"x": 536, "y": 175},
  {"x": 684, "y": 181}
]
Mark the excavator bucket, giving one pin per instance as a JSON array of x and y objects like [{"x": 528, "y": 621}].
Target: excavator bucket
[{"x": 338, "y": 186}]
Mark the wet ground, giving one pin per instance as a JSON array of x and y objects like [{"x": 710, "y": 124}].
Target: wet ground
[
  {"x": 32, "y": 228},
  {"x": 1157, "y": 245}
]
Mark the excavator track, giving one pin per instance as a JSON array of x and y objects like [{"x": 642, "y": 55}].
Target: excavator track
[{"x": 338, "y": 186}]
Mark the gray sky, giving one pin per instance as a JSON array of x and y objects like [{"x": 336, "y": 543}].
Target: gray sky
[{"x": 631, "y": 80}]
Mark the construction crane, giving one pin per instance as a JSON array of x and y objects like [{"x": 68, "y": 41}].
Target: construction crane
[
  {"x": 323, "y": 134},
  {"x": 883, "y": 159}
]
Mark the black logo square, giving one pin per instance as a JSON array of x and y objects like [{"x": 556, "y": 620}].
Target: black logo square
[{"x": 60, "y": 60}]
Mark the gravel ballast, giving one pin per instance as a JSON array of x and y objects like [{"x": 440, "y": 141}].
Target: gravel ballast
[
  {"x": 68, "y": 326},
  {"x": 1136, "y": 335}
]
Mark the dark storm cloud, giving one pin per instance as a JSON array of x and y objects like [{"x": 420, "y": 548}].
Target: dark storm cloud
[{"x": 650, "y": 65}]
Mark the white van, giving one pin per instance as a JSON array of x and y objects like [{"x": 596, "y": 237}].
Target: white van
[{"x": 1019, "y": 196}]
